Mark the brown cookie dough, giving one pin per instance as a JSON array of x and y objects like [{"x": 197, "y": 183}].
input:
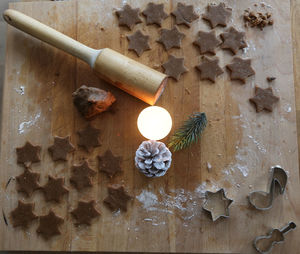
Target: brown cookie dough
[
  {"x": 184, "y": 14},
  {"x": 240, "y": 69},
  {"x": 23, "y": 215},
  {"x": 217, "y": 15},
  {"x": 258, "y": 19},
  {"x": 91, "y": 101},
  {"x": 85, "y": 212},
  {"x": 28, "y": 154},
  {"x": 27, "y": 182},
  {"x": 110, "y": 164},
  {"x": 89, "y": 137},
  {"x": 128, "y": 16},
  {"x": 49, "y": 225},
  {"x": 155, "y": 14},
  {"x": 61, "y": 148},
  {"x": 117, "y": 198},
  {"x": 210, "y": 69},
  {"x": 233, "y": 40},
  {"x": 171, "y": 38},
  {"x": 81, "y": 176},
  {"x": 207, "y": 42},
  {"x": 138, "y": 42},
  {"x": 174, "y": 67},
  {"x": 54, "y": 189},
  {"x": 263, "y": 99}
]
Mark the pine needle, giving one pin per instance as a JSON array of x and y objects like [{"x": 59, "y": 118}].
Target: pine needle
[{"x": 189, "y": 132}]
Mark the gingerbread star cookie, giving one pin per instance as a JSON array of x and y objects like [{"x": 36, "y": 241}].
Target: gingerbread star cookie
[
  {"x": 23, "y": 215},
  {"x": 217, "y": 15},
  {"x": 155, "y": 14},
  {"x": 264, "y": 99},
  {"x": 85, "y": 212},
  {"x": 138, "y": 42},
  {"x": 28, "y": 154},
  {"x": 171, "y": 38},
  {"x": 81, "y": 176},
  {"x": 184, "y": 14},
  {"x": 174, "y": 67},
  {"x": 240, "y": 69},
  {"x": 233, "y": 40},
  {"x": 209, "y": 69},
  {"x": 89, "y": 137},
  {"x": 117, "y": 198},
  {"x": 54, "y": 189},
  {"x": 110, "y": 164},
  {"x": 128, "y": 16},
  {"x": 207, "y": 42},
  {"x": 61, "y": 148},
  {"x": 49, "y": 225},
  {"x": 27, "y": 182}
]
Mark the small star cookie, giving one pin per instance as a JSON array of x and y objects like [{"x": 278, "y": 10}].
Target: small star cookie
[
  {"x": 28, "y": 154},
  {"x": 171, "y": 38},
  {"x": 117, "y": 198},
  {"x": 155, "y": 14},
  {"x": 233, "y": 40},
  {"x": 217, "y": 15},
  {"x": 23, "y": 215},
  {"x": 207, "y": 42},
  {"x": 184, "y": 14},
  {"x": 240, "y": 69},
  {"x": 129, "y": 16},
  {"x": 264, "y": 99},
  {"x": 61, "y": 148},
  {"x": 174, "y": 67},
  {"x": 210, "y": 69},
  {"x": 138, "y": 42},
  {"x": 110, "y": 164},
  {"x": 85, "y": 212}
]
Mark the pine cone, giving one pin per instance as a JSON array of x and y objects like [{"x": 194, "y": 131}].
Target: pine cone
[{"x": 153, "y": 158}]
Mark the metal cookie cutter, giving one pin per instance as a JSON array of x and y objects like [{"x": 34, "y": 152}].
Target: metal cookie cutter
[
  {"x": 217, "y": 204},
  {"x": 264, "y": 200},
  {"x": 264, "y": 244}
]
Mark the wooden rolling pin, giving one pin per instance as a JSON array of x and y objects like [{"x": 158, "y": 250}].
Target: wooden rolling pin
[{"x": 134, "y": 78}]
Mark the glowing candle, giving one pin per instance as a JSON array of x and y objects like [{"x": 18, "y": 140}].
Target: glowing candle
[{"x": 154, "y": 123}]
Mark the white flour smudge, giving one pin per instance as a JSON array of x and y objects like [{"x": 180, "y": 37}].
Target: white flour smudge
[
  {"x": 258, "y": 144},
  {"x": 27, "y": 124},
  {"x": 287, "y": 108},
  {"x": 20, "y": 90}
]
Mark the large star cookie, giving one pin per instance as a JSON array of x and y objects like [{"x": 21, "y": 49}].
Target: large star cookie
[
  {"x": 264, "y": 99},
  {"x": 207, "y": 42},
  {"x": 174, "y": 67},
  {"x": 138, "y": 42},
  {"x": 233, "y": 40},
  {"x": 209, "y": 69},
  {"x": 81, "y": 176},
  {"x": 117, "y": 198},
  {"x": 23, "y": 215},
  {"x": 155, "y": 14},
  {"x": 85, "y": 212},
  {"x": 61, "y": 148},
  {"x": 54, "y": 189},
  {"x": 184, "y": 14},
  {"x": 27, "y": 182},
  {"x": 171, "y": 38},
  {"x": 240, "y": 69},
  {"x": 89, "y": 137},
  {"x": 128, "y": 16},
  {"x": 110, "y": 164},
  {"x": 28, "y": 154},
  {"x": 217, "y": 15}
]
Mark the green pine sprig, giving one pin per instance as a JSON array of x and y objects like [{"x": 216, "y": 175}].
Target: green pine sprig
[{"x": 189, "y": 132}]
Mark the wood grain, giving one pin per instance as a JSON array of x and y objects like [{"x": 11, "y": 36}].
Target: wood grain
[{"x": 239, "y": 144}]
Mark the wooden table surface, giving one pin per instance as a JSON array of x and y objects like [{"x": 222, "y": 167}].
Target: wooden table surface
[{"x": 177, "y": 238}]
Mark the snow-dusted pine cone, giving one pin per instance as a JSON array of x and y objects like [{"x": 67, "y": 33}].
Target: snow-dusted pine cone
[{"x": 153, "y": 158}]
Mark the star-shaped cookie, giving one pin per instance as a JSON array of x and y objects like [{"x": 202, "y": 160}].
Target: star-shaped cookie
[
  {"x": 54, "y": 189},
  {"x": 128, "y": 16},
  {"x": 81, "y": 176},
  {"x": 89, "y": 137},
  {"x": 207, "y": 42},
  {"x": 23, "y": 215},
  {"x": 85, "y": 212},
  {"x": 27, "y": 182},
  {"x": 209, "y": 69},
  {"x": 240, "y": 69},
  {"x": 233, "y": 40},
  {"x": 171, "y": 38},
  {"x": 184, "y": 14},
  {"x": 217, "y": 204},
  {"x": 264, "y": 99},
  {"x": 138, "y": 42},
  {"x": 217, "y": 15},
  {"x": 61, "y": 148},
  {"x": 174, "y": 67},
  {"x": 110, "y": 164},
  {"x": 155, "y": 14},
  {"x": 28, "y": 154},
  {"x": 49, "y": 225},
  {"x": 117, "y": 198}
]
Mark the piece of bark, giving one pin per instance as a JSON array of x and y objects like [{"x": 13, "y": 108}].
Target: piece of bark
[{"x": 91, "y": 101}]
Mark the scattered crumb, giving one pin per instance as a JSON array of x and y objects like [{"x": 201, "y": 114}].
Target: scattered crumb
[
  {"x": 258, "y": 19},
  {"x": 250, "y": 186},
  {"x": 238, "y": 185},
  {"x": 270, "y": 79},
  {"x": 187, "y": 90}
]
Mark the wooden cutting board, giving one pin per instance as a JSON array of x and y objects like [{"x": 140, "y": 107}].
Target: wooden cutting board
[{"x": 165, "y": 214}]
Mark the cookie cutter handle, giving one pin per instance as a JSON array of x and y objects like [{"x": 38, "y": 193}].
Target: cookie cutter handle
[{"x": 288, "y": 228}]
